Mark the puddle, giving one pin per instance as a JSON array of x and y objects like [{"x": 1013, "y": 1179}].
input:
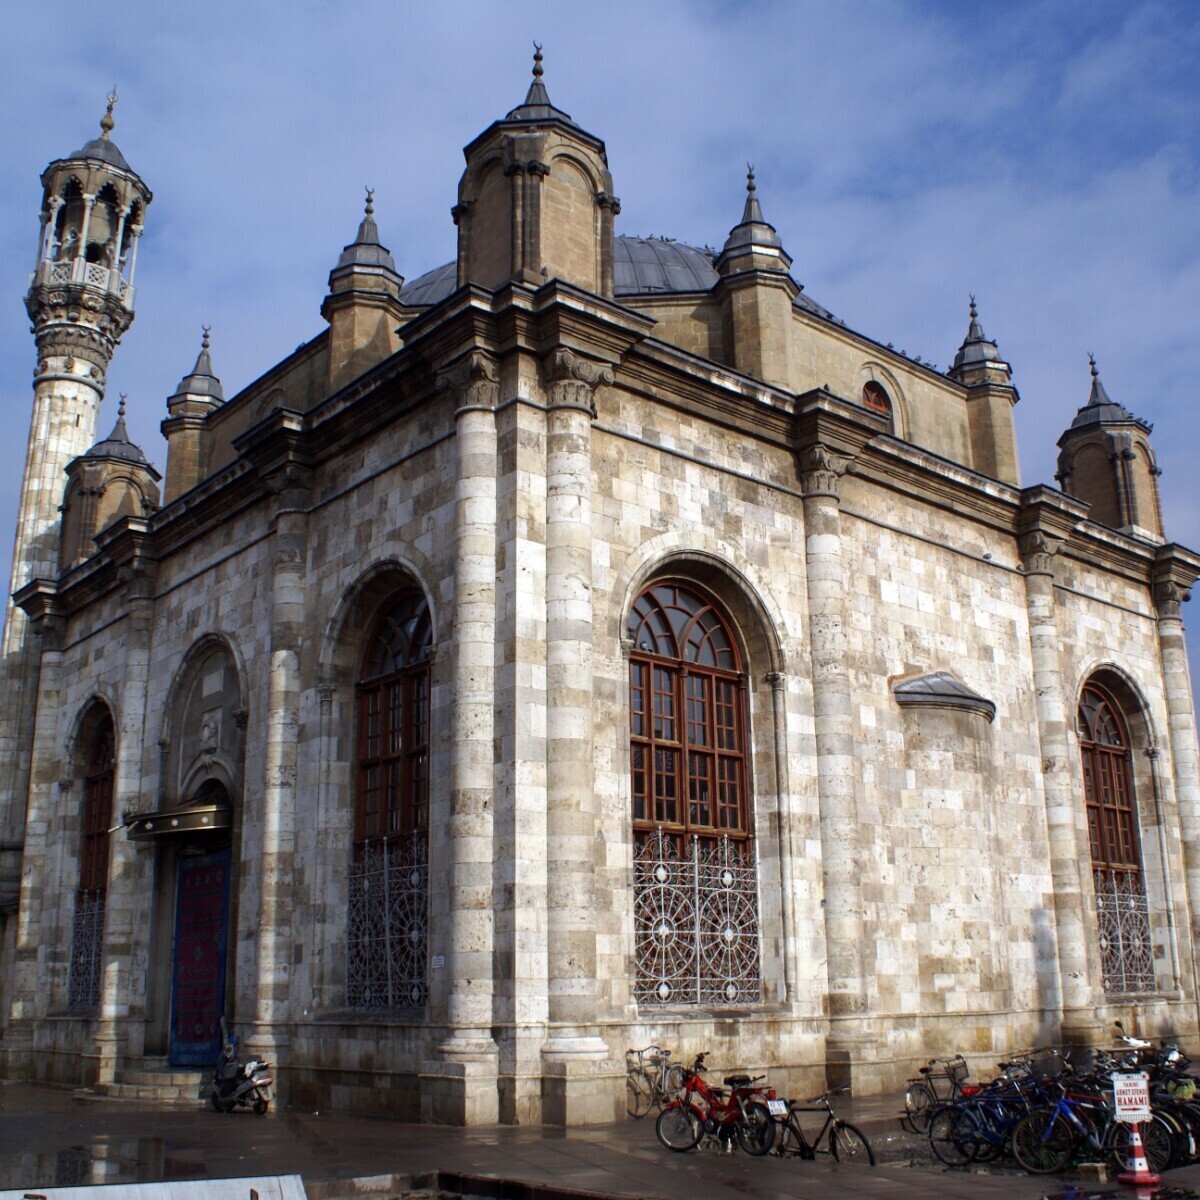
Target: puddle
[{"x": 106, "y": 1160}]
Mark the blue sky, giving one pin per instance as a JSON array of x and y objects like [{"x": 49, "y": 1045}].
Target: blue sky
[{"x": 1041, "y": 155}]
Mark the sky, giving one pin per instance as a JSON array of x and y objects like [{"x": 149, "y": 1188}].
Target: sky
[{"x": 1044, "y": 156}]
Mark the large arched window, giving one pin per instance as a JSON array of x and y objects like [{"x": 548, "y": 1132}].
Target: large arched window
[
  {"x": 83, "y": 986},
  {"x": 1127, "y": 964},
  {"x": 695, "y": 902},
  {"x": 386, "y": 939}
]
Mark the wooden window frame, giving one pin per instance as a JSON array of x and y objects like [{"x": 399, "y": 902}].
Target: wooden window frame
[
  {"x": 98, "y": 783},
  {"x": 1109, "y": 794}
]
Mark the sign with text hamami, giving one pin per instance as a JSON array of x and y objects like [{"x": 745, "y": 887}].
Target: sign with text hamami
[{"x": 1131, "y": 1096}]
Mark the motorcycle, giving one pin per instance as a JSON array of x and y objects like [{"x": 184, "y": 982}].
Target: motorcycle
[{"x": 236, "y": 1084}]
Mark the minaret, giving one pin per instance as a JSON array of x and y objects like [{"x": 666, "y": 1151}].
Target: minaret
[
  {"x": 1105, "y": 458},
  {"x": 80, "y": 301},
  {"x": 757, "y": 292},
  {"x": 991, "y": 398}
]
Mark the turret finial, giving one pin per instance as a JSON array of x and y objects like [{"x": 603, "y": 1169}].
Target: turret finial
[
  {"x": 1095, "y": 369},
  {"x": 751, "y": 186},
  {"x": 205, "y": 330},
  {"x": 370, "y": 202},
  {"x": 121, "y": 406},
  {"x": 537, "y": 60},
  {"x": 106, "y": 121},
  {"x": 974, "y": 310}
]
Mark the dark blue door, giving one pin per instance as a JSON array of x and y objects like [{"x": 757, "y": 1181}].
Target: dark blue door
[{"x": 198, "y": 978}]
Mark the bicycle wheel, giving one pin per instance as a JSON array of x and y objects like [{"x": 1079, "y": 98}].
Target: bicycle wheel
[
  {"x": 1042, "y": 1142},
  {"x": 674, "y": 1081},
  {"x": 639, "y": 1094},
  {"x": 678, "y": 1128},
  {"x": 756, "y": 1132},
  {"x": 919, "y": 1103},
  {"x": 1156, "y": 1143},
  {"x": 848, "y": 1144},
  {"x": 952, "y": 1135}
]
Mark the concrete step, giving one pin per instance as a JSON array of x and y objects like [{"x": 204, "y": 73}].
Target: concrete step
[
  {"x": 158, "y": 1093},
  {"x": 165, "y": 1078}
]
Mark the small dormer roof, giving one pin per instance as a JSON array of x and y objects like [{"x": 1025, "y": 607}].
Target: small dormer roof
[
  {"x": 1100, "y": 409},
  {"x": 977, "y": 348},
  {"x": 117, "y": 445},
  {"x": 753, "y": 229},
  {"x": 367, "y": 250},
  {"x": 537, "y": 106}
]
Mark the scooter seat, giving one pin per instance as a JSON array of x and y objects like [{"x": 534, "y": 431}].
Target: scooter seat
[{"x": 737, "y": 1080}]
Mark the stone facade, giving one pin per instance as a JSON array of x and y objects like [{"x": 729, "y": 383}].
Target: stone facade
[{"x": 465, "y": 490}]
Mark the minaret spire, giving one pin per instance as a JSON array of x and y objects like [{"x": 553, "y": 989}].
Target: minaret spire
[
  {"x": 752, "y": 212},
  {"x": 106, "y": 121}
]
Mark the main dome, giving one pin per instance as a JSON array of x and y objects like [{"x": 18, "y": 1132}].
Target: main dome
[{"x": 641, "y": 267}]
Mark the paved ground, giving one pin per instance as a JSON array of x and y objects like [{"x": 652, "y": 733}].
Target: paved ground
[{"x": 48, "y": 1138}]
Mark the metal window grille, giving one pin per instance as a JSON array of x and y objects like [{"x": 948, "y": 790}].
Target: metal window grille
[
  {"x": 387, "y": 925},
  {"x": 696, "y": 920},
  {"x": 87, "y": 943},
  {"x": 1123, "y": 921}
]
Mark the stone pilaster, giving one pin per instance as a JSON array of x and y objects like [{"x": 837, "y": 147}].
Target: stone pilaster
[
  {"x": 787, "y": 833},
  {"x": 1175, "y": 572},
  {"x": 569, "y": 1091},
  {"x": 30, "y": 968},
  {"x": 122, "y": 899},
  {"x": 461, "y": 1086},
  {"x": 269, "y": 1038},
  {"x": 821, "y": 468},
  {"x": 1043, "y": 538}
]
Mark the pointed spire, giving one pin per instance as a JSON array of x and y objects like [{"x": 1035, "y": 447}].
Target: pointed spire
[
  {"x": 752, "y": 212},
  {"x": 366, "y": 250},
  {"x": 1101, "y": 408},
  {"x": 537, "y": 105},
  {"x": 977, "y": 349},
  {"x": 202, "y": 381},
  {"x": 974, "y": 329},
  {"x": 117, "y": 444},
  {"x": 106, "y": 121},
  {"x": 1097, "y": 395}
]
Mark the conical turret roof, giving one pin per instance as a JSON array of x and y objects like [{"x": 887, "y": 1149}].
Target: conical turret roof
[
  {"x": 753, "y": 229},
  {"x": 202, "y": 381},
  {"x": 977, "y": 347},
  {"x": 117, "y": 445},
  {"x": 537, "y": 106},
  {"x": 1100, "y": 409},
  {"x": 367, "y": 250},
  {"x": 103, "y": 147}
]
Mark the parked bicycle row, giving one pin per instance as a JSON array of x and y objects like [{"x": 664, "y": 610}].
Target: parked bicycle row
[
  {"x": 1044, "y": 1112},
  {"x": 745, "y": 1111}
]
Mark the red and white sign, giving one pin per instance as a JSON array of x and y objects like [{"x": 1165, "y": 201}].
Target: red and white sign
[{"x": 1131, "y": 1096}]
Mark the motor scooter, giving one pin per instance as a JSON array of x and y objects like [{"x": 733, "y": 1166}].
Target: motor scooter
[{"x": 236, "y": 1084}]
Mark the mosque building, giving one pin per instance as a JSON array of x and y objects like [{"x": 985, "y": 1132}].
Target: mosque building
[{"x": 592, "y": 642}]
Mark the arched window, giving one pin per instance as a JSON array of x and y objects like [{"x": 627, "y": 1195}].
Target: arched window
[
  {"x": 1127, "y": 964},
  {"x": 83, "y": 986},
  {"x": 876, "y": 399},
  {"x": 695, "y": 903},
  {"x": 386, "y": 938}
]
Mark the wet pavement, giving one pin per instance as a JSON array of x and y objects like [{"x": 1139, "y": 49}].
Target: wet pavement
[{"x": 48, "y": 1138}]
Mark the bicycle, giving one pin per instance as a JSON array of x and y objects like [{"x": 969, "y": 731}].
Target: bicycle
[
  {"x": 846, "y": 1142},
  {"x": 922, "y": 1096},
  {"x": 651, "y": 1080},
  {"x": 706, "y": 1109}
]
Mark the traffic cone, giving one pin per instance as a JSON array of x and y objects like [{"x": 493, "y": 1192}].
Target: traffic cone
[{"x": 1137, "y": 1170}]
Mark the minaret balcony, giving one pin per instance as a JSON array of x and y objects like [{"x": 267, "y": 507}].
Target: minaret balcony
[{"x": 88, "y": 274}]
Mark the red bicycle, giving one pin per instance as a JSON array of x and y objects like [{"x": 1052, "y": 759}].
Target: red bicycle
[{"x": 741, "y": 1112}]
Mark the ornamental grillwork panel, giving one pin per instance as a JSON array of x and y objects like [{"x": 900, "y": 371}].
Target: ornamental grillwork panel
[
  {"x": 387, "y": 925},
  {"x": 87, "y": 942},
  {"x": 695, "y": 921},
  {"x": 1123, "y": 919}
]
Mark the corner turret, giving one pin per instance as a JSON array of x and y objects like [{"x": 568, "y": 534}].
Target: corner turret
[
  {"x": 363, "y": 305},
  {"x": 991, "y": 398},
  {"x": 1105, "y": 458},
  {"x": 757, "y": 292},
  {"x": 535, "y": 201},
  {"x": 197, "y": 395}
]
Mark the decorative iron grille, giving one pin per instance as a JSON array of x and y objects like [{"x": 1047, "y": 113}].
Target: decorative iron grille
[
  {"x": 387, "y": 925},
  {"x": 87, "y": 943},
  {"x": 695, "y": 906},
  {"x": 1123, "y": 920}
]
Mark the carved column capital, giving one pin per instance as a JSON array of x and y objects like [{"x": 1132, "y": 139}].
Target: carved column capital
[
  {"x": 472, "y": 381},
  {"x": 777, "y": 680},
  {"x": 1038, "y": 549},
  {"x": 1169, "y": 597},
  {"x": 573, "y": 380},
  {"x": 821, "y": 467},
  {"x": 604, "y": 200}
]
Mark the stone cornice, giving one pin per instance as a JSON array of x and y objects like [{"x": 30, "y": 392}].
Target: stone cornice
[{"x": 1175, "y": 571}]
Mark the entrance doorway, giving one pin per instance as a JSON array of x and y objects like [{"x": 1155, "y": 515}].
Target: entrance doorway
[{"x": 198, "y": 968}]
